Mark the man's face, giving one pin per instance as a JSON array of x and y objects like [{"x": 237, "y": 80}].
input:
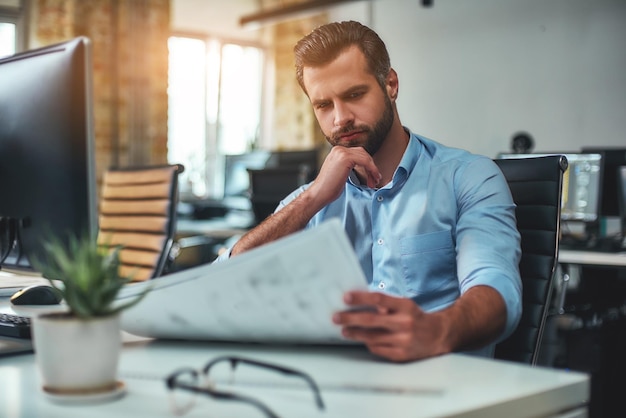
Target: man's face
[{"x": 349, "y": 104}]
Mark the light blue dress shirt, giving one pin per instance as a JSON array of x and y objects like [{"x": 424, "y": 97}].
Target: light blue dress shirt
[{"x": 445, "y": 223}]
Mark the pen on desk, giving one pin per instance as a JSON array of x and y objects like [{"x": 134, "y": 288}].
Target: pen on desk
[
  {"x": 396, "y": 390},
  {"x": 349, "y": 387}
]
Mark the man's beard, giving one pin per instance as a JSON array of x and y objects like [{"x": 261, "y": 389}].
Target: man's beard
[{"x": 374, "y": 137}]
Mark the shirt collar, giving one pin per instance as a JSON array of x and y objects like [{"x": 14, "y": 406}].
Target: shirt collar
[{"x": 411, "y": 154}]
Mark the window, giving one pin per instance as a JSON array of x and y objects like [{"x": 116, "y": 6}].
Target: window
[
  {"x": 7, "y": 39},
  {"x": 8, "y": 31},
  {"x": 214, "y": 92},
  {"x": 12, "y": 26}
]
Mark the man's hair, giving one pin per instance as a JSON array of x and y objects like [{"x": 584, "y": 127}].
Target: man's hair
[{"x": 325, "y": 43}]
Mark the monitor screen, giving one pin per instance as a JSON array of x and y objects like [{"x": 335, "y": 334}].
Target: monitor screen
[
  {"x": 47, "y": 176},
  {"x": 307, "y": 160},
  {"x": 236, "y": 178},
  {"x": 581, "y": 185},
  {"x": 612, "y": 159}
]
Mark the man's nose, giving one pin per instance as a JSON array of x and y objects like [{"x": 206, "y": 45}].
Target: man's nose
[{"x": 343, "y": 115}]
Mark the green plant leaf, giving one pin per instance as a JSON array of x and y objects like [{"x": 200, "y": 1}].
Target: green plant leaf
[{"x": 87, "y": 275}]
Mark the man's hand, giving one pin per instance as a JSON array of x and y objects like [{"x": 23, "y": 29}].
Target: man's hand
[
  {"x": 399, "y": 330},
  {"x": 331, "y": 180},
  {"x": 396, "y": 328}
]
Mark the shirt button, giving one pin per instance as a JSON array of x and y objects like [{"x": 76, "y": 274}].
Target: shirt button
[
  {"x": 381, "y": 285},
  {"x": 380, "y": 198},
  {"x": 380, "y": 241}
]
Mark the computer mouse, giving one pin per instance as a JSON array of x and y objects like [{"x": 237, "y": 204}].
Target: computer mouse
[{"x": 38, "y": 294}]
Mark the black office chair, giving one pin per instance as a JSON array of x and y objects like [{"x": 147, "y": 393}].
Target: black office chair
[
  {"x": 268, "y": 186},
  {"x": 536, "y": 185}
]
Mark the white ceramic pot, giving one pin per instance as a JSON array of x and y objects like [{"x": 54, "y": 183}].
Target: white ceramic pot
[{"x": 77, "y": 356}]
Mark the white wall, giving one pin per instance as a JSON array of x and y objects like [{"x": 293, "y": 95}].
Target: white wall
[
  {"x": 474, "y": 72},
  {"x": 214, "y": 17}
]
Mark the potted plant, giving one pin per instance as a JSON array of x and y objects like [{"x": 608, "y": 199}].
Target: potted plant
[{"x": 77, "y": 349}]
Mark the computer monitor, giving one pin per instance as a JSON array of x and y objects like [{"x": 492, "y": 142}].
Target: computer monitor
[
  {"x": 236, "y": 178},
  {"x": 581, "y": 185},
  {"x": 234, "y": 191},
  {"x": 236, "y": 166},
  {"x": 305, "y": 160},
  {"x": 47, "y": 176},
  {"x": 612, "y": 159}
]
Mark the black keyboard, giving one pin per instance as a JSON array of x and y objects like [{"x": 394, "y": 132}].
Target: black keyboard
[{"x": 15, "y": 326}]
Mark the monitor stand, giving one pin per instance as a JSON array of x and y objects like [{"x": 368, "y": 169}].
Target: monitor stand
[{"x": 8, "y": 237}]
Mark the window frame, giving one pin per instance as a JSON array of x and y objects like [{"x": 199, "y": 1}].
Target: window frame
[
  {"x": 18, "y": 17},
  {"x": 214, "y": 169}
]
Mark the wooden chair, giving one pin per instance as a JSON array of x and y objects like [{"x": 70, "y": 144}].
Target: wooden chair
[
  {"x": 138, "y": 213},
  {"x": 536, "y": 185}
]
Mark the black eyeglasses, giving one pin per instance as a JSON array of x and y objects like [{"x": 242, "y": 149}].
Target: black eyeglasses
[{"x": 189, "y": 380}]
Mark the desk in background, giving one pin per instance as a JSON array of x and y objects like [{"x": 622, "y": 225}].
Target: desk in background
[
  {"x": 233, "y": 223},
  {"x": 572, "y": 262},
  {"x": 353, "y": 383},
  {"x": 596, "y": 275},
  {"x": 592, "y": 331},
  {"x": 592, "y": 258},
  {"x": 199, "y": 241}
]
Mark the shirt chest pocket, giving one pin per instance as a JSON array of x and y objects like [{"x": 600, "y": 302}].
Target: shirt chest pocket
[{"x": 429, "y": 263}]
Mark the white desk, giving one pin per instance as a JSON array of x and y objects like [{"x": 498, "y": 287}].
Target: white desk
[
  {"x": 448, "y": 386},
  {"x": 12, "y": 282},
  {"x": 234, "y": 223},
  {"x": 592, "y": 258},
  {"x": 571, "y": 262}
]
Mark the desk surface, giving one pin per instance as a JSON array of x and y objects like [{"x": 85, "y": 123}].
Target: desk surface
[
  {"x": 352, "y": 383},
  {"x": 12, "y": 282},
  {"x": 234, "y": 223},
  {"x": 592, "y": 257}
]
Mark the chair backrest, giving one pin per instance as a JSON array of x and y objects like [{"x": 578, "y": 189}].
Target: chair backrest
[
  {"x": 138, "y": 213},
  {"x": 536, "y": 184}
]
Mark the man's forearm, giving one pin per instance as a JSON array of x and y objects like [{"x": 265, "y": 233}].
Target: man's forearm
[
  {"x": 477, "y": 318},
  {"x": 289, "y": 219}
]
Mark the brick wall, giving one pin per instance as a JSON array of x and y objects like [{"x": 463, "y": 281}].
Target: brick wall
[
  {"x": 129, "y": 40},
  {"x": 295, "y": 126}
]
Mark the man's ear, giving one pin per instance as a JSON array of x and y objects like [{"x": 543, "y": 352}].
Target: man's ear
[{"x": 392, "y": 84}]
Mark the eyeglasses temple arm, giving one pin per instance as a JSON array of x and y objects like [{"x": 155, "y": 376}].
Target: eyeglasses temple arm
[{"x": 285, "y": 370}]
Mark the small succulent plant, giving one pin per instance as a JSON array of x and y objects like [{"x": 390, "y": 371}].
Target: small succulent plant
[{"x": 87, "y": 276}]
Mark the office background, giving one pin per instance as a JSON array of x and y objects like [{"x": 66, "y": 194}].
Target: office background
[{"x": 473, "y": 72}]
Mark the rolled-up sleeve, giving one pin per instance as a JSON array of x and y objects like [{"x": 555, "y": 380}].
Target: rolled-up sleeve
[{"x": 488, "y": 241}]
